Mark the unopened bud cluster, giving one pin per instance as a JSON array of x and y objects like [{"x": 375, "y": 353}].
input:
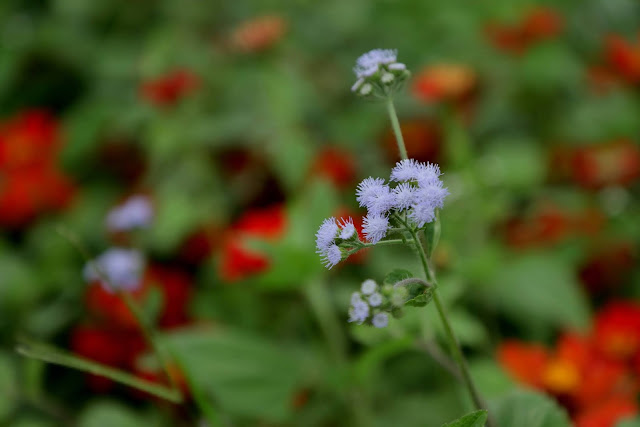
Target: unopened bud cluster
[
  {"x": 373, "y": 304},
  {"x": 379, "y": 74}
]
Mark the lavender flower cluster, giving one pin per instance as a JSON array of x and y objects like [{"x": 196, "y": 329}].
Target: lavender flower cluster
[
  {"x": 419, "y": 193},
  {"x": 378, "y": 71},
  {"x": 366, "y": 305}
]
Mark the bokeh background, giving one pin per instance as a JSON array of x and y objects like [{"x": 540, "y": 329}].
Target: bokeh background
[{"x": 236, "y": 120}]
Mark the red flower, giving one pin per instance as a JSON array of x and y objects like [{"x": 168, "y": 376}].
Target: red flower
[
  {"x": 539, "y": 24},
  {"x": 167, "y": 90},
  {"x": 337, "y": 165},
  {"x": 422, "y": 139},
  {"x": 617, "y": 330},
  {"x": 615, "y": 163},
  {"x": 525, "y": 362},
  {"x": 237, "y": 260},
  {"x": 28, "y": 139},
  {"x": 624, "y": 58},
  {"x": 258, "y": 34},
  {"x": 113, "y": 347},
  {"x": 608, "y": 267},
  {"x": 607, "y": 413}
]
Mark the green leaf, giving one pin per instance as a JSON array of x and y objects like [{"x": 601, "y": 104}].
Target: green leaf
[
  {"x": 397, "y": 275},
  {"x": 474, "y": 419},
  {"x": 100, "y": 414},
  {"x": 241, "y": 373},
  {"x": 419, "y": 295},
  {"x": 432, "y": 234},
  {"x": 629, "y": 423},
  {"x": 539, "y": 289},
  {"x": 8, "y": 386},
  {"x": 527, "y": 408}
]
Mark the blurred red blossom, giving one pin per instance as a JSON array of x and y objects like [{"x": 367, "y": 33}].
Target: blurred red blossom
[
  {"x": 422, "y": 138},
  {"x": 31, "y": 183},
  {"x": 624, "y": 58},
  {"x": 258, "y": 34},
  {"x": 337, "y": 165},
  {"x": 548, "y": 224},
  {"x": 538, "y": 24},
  {"x": 593, "y": 376},
  {"x": 607, "y": 267},
  {"x": 444, "y": 82},
  {"x": 237, "y": 259},
  {"x": 170, "y": 88}
]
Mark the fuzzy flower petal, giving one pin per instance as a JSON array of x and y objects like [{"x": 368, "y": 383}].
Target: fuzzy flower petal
[
  {"x": 412, "y": 170},
  {"x": 375, "y": 227},
  {"x": 348, "y": 230},
  {"x": 332, "y": 256},
  {"x": 326, "y": 234},
  {"x": 369, "y": 63},
  {"x": 405, "y": 196}
]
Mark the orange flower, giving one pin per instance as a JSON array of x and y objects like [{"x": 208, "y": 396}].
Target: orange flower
[
  {"x": 258, "y": 34},
  {"x": 444, "y": 82},
  {"x": 524, "y": 362},
  {"x": 624, "y": 58},
  {"x": 167, "y": 90}
]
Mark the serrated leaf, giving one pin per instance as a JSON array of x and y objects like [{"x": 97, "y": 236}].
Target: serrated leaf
[
  {"x": 397, "y": 275},
  {"x": 474, "y": 419}
]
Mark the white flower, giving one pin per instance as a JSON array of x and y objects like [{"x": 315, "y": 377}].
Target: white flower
[
  {"x": 332, "y": 256},
  {"x": 359, "y": 312},
  {"x": 387, "y": 78},
  {"x": 366, "y": 89},
  {"x": 326, "y": 234}
]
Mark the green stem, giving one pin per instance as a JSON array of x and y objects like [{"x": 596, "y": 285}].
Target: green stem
[
  {"x": 59, "y": 357},
  {"x": 396, "y": 128},
  {"x": 456, "y": 351},
  {"x": 150, "y": 335},
  {"x": 387, "y": 242}
]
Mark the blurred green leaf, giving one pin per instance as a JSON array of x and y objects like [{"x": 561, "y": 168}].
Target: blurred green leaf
[
  {"x": 243, "y": 374},
  {"x": 539, "y": 289},
  {"x": 526, "y": 408},
  {"x": 629, "y": 423},
  {"x": 396, "y": 276},
  {"x": 8, "y": 386},
  {"x": 474, "y": 419},
  {"x": 106, "y": 413}
]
